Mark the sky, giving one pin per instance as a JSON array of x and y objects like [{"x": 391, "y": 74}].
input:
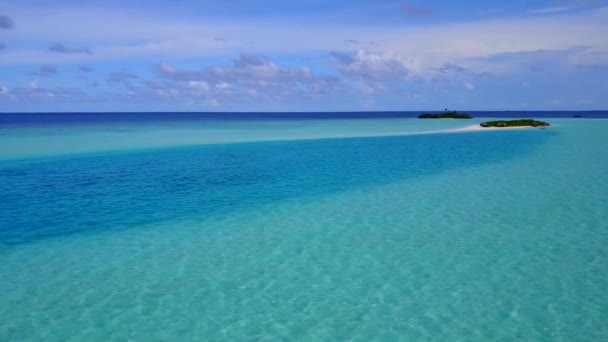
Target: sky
[{"x": 314, "y": 55}]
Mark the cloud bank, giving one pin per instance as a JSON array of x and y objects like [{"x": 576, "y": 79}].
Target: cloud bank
[
  {"x": 61, "y": 48},
  {"x": 225, "y": 62}
]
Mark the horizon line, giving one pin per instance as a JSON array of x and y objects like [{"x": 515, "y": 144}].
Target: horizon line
[{"x": 302, "y": 112}]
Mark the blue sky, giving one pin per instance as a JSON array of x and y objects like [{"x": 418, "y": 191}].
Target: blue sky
[{"x": 246, "y": 55}]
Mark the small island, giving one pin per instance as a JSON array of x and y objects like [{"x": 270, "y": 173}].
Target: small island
[
  {"x": 515, "y": 123},
  {"x": 445, "y": 115}
]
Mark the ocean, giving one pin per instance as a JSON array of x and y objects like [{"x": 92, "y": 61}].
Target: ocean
[{"x": 302, "y": 227}]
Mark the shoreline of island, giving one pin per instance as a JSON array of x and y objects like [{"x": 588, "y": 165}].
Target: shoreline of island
[{"x": 476, "y": 128}]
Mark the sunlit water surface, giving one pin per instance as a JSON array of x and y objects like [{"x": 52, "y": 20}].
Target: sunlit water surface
[{"x": 312, "y": 230}]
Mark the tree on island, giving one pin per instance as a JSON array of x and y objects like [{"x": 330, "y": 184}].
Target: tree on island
[
  {"x": 515, "y": 123},
  {"x": 447, "y": 114}
]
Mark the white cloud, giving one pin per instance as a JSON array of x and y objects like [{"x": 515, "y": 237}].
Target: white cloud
[
  {"x": 251, "y": 72},
  {"x": 371, "y": 66},
  {"x": 222, "y": 86},
  {"x": 200, "y": 86},
  {"x": 62, "y": 48},
  {"x": 249, "y": 80},
  {"x": 549, "y": 10},
  {"x": 34, "y": 93}
]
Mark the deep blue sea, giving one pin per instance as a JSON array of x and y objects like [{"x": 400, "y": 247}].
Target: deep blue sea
[
  {"x": 92, "y": 117},
  {"x": 302, "y": 226}
]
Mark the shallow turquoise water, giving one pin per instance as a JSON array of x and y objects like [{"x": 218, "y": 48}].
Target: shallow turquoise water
[
  {"x": 26, "y": 141},
  {"x": 498, "y": 235}
]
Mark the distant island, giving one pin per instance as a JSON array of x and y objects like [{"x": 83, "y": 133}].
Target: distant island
[
  {"x": 515, "y": 123},
  {"x": 445, "y": 115}
]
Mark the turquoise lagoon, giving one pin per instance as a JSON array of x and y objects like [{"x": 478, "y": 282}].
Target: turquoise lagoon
[{"x": 305, "y": 230}]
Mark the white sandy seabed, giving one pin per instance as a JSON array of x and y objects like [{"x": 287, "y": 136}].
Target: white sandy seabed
[
  {"x": 473, "y": 128},
  {"x": 50, "y": 141}
]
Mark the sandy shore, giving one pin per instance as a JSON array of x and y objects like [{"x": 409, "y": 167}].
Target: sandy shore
[{"x": 472, "y": 128}]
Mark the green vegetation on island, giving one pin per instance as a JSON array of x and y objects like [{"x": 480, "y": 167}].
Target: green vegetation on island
[
  {"x": 445, "y": 115},
  {"x": 515, "y": 123}
]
